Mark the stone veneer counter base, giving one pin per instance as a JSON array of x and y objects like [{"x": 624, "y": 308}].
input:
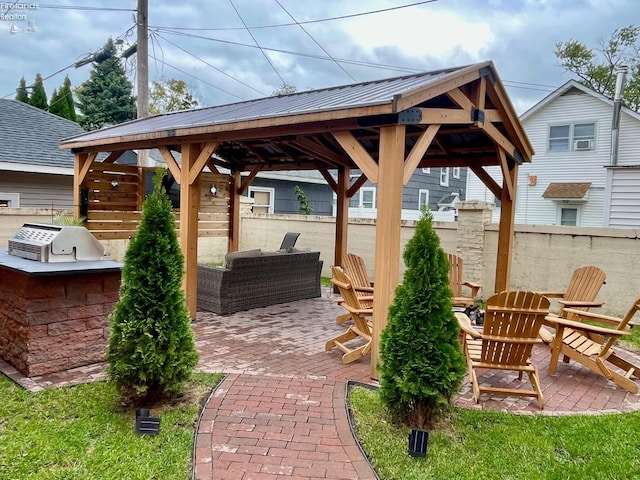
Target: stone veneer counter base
[{"x": 53, "y": 316}]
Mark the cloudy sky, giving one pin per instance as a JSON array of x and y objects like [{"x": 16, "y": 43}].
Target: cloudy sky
[{"x": 234, "y": 50}]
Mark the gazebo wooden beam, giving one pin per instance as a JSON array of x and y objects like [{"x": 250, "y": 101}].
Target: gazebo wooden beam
[
  {"x": 173, "y": 166},
  {"x": 355, "y": 186},
  {"x": 487, "y": 179},
  {"x": 329, "y": 178},
  {"x": 508, "y": 182},
  {"x": 247, "y": 181},
  {"x": 387, "y": 269},
  {"x": 202, "y": 160},
  {"x": 113, "y": 156},
  {"x": 418, "y": 151},
  {"x": 234, "y": 223},
  {"x": 358, "y": 154}
]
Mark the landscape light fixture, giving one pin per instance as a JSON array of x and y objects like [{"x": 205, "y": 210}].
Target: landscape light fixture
[
  {"x": 114, "y": 184},
  {"x": 213, "y": 190}
]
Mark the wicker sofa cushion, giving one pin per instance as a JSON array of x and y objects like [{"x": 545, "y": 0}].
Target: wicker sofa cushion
[{"x": 230, "y": 257}]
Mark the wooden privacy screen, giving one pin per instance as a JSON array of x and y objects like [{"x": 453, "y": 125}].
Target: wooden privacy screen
[{"x": 115, "y": 193}]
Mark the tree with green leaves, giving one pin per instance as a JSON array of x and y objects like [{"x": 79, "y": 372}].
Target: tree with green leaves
[
  {"x": 422, "y": 365},
  {"x": 63, "y": 105},
  {"x": 285, "y": 89},
  {"x": 106, "y": 97},
  {"x": 151, "y": 350},
  {"x": 170, "y": 95},
  {"x": 38, "y": 97},
  {"x": 596, "y": 68},
  {"x": 305, "y": 206},
  {"x": 22, "y": 95}
]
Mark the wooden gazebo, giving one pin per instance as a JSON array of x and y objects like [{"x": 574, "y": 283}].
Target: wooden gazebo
[{"x": 458, "y": 117}]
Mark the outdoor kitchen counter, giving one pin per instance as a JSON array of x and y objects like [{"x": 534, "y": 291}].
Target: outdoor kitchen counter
[
  {"x": 36, "y": 268},
  {"x": 54, "y": 315}
]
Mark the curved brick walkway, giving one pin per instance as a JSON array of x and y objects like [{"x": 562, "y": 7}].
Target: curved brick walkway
[{"x": 280, "y": 412}]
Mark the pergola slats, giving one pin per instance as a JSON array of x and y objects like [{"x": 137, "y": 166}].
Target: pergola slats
[{"x": 385, "y": 128}]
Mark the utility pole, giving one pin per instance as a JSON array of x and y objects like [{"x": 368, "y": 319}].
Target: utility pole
[{"x": 142, "y": 71}]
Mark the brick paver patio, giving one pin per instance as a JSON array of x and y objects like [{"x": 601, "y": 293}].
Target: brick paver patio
[{"x": 280, "y": 412}]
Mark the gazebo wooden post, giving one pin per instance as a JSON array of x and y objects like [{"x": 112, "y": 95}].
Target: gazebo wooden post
[
  {"x": 234, "y": 221},
  {"x": 387, "y": 268},
  {"x": 189, "y": 206},
  {"x": 342, "y": 215},
  {"x": 80, "y": 160},
  {"x": 506, "y": 231}
]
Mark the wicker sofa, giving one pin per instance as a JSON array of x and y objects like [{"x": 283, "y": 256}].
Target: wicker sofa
[{"x": 254, "y": 279}]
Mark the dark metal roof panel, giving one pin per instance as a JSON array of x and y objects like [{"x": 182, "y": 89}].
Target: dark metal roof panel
[{"x": 376, "y": 92}]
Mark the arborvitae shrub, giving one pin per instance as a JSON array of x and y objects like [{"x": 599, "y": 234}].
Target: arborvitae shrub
[
  {"x": 422, "y": 365},
  {"x": 151, "y": 350}
]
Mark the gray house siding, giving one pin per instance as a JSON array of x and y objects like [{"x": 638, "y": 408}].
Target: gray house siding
[
  {"x": 39, "y": 190},
  {"x": 425, "y": 181},
  {"x": 320, "y": 196}
]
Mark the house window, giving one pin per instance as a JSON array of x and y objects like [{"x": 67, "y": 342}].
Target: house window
[
  {"x": 423, "y": 199},
  {"x": 263, "y": 199},
  {"x": 444, "y": 176},
  {"x": 426, "y": 170},
  {"x": 573, "y": 137},
  {"x": 367, "y": 197},
  {"x": 456, "y": 172},
  {"x": 568, "y": 216}
]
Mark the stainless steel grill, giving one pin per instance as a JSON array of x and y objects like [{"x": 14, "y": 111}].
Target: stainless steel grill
[{"x": 55, "y": 243}]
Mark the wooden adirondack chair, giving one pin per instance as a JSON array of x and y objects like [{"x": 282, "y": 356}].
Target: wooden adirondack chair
[
  {"x": 358, "y": 312},
  {"x": 457, "y": 282},
  {"x": 593, "y": 345},
  {"x": 583, "y": 287},
  {"x": 355, "y": 268},
  {"x": 511, "y": 324}
]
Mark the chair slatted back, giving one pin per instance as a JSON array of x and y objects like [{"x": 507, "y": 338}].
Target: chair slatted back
[
  {"x": 512, "y": 321},
  {"x": 455, "y": 274},
  {"x": 345, "y": 286},
  {"x": 356, "y": 269},
  {"x": 585, "y": 283}
]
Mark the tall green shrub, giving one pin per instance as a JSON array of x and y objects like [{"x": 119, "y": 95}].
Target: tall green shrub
[
  {"x": 151, "y": 350},
  {"x": 422, "y": 365}
]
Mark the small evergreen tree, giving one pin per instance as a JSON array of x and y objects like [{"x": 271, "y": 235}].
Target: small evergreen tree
[
  {"x": 54, "y": 106},
  {"x": 106, "y": 98},
  {"x": 151, "y": 350},
  {"x": 21, "y": 92},
  {"x": 422, "y": 365},
  {"x": 38, "y": 96},
  {"x": 63, "y": 106}
]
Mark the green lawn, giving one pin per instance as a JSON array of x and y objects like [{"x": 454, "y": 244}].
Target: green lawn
[
  {"x": 473, "y": 444},
  {"x": 82, "y": 432}
]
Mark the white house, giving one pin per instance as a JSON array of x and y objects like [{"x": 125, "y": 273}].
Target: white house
[{"x": 571, "y": 179}]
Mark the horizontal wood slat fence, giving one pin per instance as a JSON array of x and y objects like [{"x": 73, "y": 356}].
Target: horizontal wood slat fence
[{"x": 115, "y": 194}]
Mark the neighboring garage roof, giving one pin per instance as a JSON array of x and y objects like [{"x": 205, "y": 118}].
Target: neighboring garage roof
[
  {"x": 566, "y": 190},
  {"x": 29, "y": 139}
]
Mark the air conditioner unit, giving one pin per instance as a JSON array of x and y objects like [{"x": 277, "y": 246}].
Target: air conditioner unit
[{"x": 586, "y": 144}]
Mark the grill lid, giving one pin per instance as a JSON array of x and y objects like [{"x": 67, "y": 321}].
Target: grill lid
[{"x": 55, "y": 243}]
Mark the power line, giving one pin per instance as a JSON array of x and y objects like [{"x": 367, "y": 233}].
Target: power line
[
  {"x": 316, "y": 42},
  {"x": 76, "y": 7},
  {"x": 319, "y": 20},
  {"x": 199, "y": 79},
  {"x": 362, "y": 63},
  {"x": 210, "y": 65},
  {"x": 257, "y": 44}
]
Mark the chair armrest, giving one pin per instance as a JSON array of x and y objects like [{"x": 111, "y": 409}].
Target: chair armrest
[
  {"x": 585, "y": 327},
  {"x": 570, "y": 303},
  {"x": 598, "y": 317},
  {"x": 472, "y": 284},
  {"x": 366, "y": 298},
  {"x": 363, "y": 289},
  {"x": 552, "y": 294},
  {"x": 359, "y": 311},
  {"x": 465, "y": 325}
]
